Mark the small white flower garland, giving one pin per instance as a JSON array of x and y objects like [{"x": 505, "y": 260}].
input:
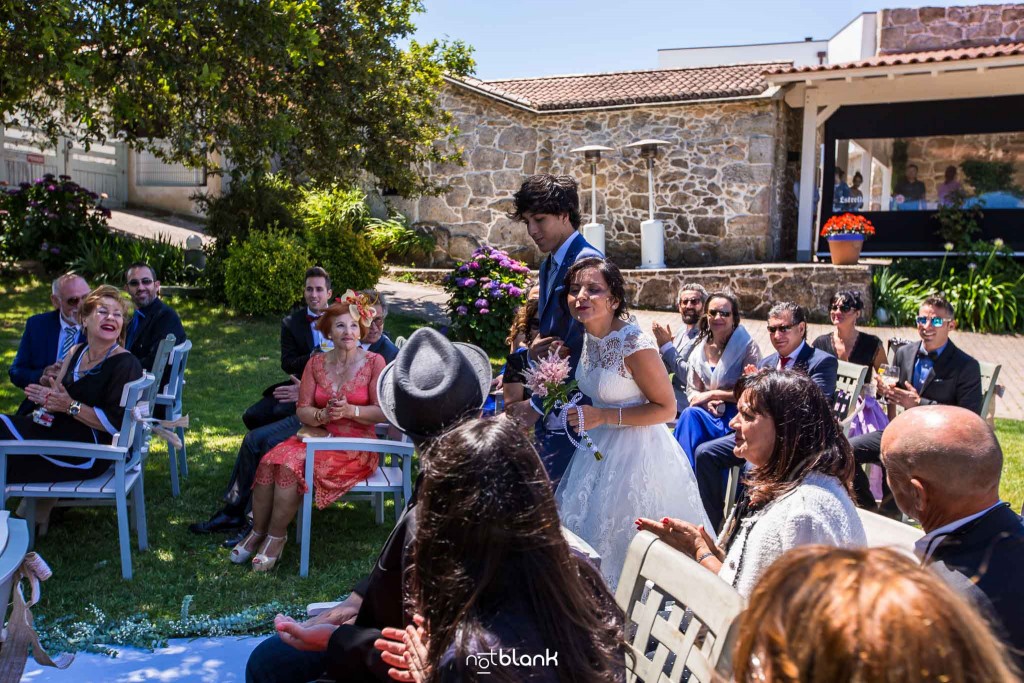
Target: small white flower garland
[{"x": 584, "y": 437}]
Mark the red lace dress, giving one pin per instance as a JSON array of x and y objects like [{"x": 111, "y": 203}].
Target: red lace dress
[{"x": 334, "y": 472}]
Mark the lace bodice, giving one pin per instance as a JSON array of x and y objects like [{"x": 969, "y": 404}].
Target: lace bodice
[{"x": 602, "y": 373}]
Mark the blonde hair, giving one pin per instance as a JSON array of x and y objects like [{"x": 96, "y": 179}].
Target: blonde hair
[
  {"x": 834, "y": 615},
  {"x": 93, "y": 298}
]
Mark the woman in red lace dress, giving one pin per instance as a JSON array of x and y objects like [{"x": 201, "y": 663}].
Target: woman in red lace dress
[{"x": 338, "y": 393}]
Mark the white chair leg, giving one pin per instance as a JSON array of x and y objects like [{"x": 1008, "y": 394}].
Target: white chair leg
[
  {"x": 306, "y": 510},
  {"x": 123, "y": 536},
  {"x": 173, "y": 464},
  {"x": 182, "y": 454},
  {"x": 139, "y": 513}
]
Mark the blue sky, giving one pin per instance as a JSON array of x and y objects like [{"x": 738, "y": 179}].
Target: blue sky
[{"x": 521, "y": 38}]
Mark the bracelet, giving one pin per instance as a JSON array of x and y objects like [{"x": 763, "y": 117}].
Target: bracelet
[
  {"x": 620, "y": 417},
  {"x": 705, "y": 556},
  {"x": 357, "y": 411},
  {"x": 319, "y": 415}
]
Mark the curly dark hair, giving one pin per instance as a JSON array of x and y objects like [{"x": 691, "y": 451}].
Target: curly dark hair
[
  {"x": 521, "y": 323},
  {"x": 488, "y": 541},
  {"x": 807, "y": 436},
  {"x": 546, "y": 193},
  {"x": 612, "y": 277}
]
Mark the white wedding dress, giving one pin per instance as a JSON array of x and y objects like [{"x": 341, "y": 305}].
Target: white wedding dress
[{"x": 643, "y": 473}]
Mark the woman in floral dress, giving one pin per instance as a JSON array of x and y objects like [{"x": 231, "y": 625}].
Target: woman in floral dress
[{"x": 339, "y": 394}]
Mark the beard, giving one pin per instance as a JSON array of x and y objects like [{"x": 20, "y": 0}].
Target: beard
[{"x": 691, "y": 318}]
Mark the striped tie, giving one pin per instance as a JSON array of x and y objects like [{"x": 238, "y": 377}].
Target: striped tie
[{"x": 70, "y": 333}]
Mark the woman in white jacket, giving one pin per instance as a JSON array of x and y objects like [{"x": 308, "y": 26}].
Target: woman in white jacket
[{"x": 798, "y": 490}]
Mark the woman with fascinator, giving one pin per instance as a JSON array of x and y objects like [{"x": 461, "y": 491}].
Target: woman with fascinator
[{"x": 338, "y": 395}]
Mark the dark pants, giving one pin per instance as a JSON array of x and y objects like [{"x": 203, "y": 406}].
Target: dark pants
[
  {"x": 25, "y": 469},
  {"x": 274, "y": 661},
  {"x": 555, "y": 452},
  {"x": 266, "y": 411},
  {"x": 867, "y": 449},
  {"x": 712, "y": 460},
  {"x": 254, "y": 446}
]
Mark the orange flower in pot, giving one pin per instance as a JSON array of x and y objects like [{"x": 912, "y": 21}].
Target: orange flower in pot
[{"x": 846, "y": 234}]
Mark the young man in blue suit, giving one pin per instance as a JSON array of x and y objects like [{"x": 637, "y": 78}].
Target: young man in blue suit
[
  {"x": 49, "y": 336},
  {"x": 550, "y": 207},
  {"x": 787, "y": 329}
]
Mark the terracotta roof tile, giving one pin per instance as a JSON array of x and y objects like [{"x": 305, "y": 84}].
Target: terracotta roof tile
[
  {"x": 906, "y": 58},
  {"x": 554, "y": 93}
]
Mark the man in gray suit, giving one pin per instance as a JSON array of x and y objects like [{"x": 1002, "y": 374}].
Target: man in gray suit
[{"x": 675, "y": 349}]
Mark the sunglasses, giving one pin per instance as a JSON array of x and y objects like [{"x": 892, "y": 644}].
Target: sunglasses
[
  {"x": 772, "y": 329},
  {"x": 690, "y": 302},
  {"x": 936, "y": 321},
  {"x": 840, "y": 307},
  {"x": 715, "y": 313},
  {"x": 377, "y": 322},
  {"x": 72, "y": 300},
  {"x": 144, "y": 281}
]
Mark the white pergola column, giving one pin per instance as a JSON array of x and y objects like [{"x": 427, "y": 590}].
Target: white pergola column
[{"x": 808, "y": 148}]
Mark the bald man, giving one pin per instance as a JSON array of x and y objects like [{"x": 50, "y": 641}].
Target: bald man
[{"x": 943, "y": 464}]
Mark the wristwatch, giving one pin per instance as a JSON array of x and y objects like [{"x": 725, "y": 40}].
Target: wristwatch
[{"x": 75, "y": 408}]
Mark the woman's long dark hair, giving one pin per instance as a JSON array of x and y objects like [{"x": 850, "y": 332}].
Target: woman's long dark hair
[
  {"x": 704, "y": 326},
  {"x": 807, "y": 436},
  {"x": 612, "y": 277},
  {"x": 488, "y": 539}
]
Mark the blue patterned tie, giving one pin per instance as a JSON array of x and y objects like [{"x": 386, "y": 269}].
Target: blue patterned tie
[
  {"x": 552, "y": 271},
  {"x": 70, "y": 333}
]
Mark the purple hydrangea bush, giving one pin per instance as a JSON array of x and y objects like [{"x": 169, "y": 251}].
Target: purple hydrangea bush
[{"x": 483, "y": 295}]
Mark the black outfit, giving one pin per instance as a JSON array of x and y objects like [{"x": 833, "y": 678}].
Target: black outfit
[
  {"x": 296, "y": 350},
  {"x": 149, "y": 326},
  {"x": 99, "y": 388},
  {"x": 955, "y": 380},
  {"x": 864, "y": 348},
  {"x": 516, "y": 365},
  {"x": 350, "y": 655},
  {"x": 983, "y": 560},
  {"x": 911, "y": 191}
]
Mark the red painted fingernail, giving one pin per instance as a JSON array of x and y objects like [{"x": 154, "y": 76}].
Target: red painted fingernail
[{"x": 664, "y": 520}]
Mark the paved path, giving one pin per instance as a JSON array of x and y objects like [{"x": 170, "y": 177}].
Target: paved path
[
  {"x": 149, "y": 224},
  {"x": 427, "y": 302}
]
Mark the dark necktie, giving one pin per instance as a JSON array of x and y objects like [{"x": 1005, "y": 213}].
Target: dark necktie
[
  {"x": 930, "y": 355},
  {"x": 552, "y": 271},
  {"x": 312, "y": 318},
  {"x": 783, "y": 362}
]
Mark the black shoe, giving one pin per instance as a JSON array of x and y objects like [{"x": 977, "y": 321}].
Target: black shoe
[
  {"x": 242, "y": 533},
  {"x": 221, "y": 521}
]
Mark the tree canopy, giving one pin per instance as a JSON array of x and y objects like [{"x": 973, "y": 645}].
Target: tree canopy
[{"x": 327, "y": 89}]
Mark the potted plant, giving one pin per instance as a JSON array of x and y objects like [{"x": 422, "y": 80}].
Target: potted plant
[{"x": 845, "y": 234}]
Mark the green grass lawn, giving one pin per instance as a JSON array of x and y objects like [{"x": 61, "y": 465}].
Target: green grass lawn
[{"x": 233, "y": 360}]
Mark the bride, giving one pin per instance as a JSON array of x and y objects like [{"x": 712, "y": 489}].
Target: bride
[{"x": 643, "y": 471}]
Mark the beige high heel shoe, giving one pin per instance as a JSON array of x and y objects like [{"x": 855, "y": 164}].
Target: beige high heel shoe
[
  {"x": 264, "y": 560},
  {"x": 241, "y": 553}
]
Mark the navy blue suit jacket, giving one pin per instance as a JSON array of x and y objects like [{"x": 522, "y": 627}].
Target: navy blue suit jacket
[
  {"x": 821, "y": 367},
  {"x": 989, "y": 554},
  {"x": 37, "y": 350},
  {"x": 555, "y": 318}
]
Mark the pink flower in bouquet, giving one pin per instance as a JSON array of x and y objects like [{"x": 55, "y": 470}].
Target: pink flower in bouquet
[{"x": 551, "y": 373}]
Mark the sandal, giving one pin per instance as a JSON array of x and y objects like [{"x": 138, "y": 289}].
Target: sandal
[
  {"x": 241, "y": 553},
  {"x": 264, "y": 560}
]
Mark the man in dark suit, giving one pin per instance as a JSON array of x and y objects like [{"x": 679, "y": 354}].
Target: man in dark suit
[
  {"x": 550, "y": 207},
  {"x": 153, "y": 319},
  {"x": 375, "y": 340},
  {"x": 49, "y": 336},
  {"x": 943, "y": 464},
  {"x": 432, "y": 385},
  {"x": 299, "y": 341},
  {"x": 787, "y": 330},
  {"x": 932, "y": 372}
]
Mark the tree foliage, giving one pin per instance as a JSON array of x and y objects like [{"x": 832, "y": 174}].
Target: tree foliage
[{"x": 322, "y": 88}]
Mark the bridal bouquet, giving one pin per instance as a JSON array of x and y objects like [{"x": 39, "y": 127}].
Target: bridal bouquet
[{"x": 550, "y": 382}]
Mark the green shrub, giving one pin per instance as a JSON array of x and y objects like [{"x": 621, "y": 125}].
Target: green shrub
[
  {"x": 106, "y": 258},
  {"x": 331, "y": 218},
  {"x": 254, "y": 204},
  {"x": 898, "y": 295},
  {"x": 484, "y": 294},
  {"x": 262, "y": 271},
  {"x": 394, "y": 241},
  {"x": 46, "y": 219}
]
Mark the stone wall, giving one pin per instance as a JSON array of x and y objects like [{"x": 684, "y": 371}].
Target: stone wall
[
  {"x": 756, "y": 287},
  {"x": 933, "y": 154},
  {"x": 716, "y": 184},
  {"x": 934, "y": 28}
]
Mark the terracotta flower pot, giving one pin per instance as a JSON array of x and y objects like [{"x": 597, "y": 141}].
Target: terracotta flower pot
[{"x": 845, "y": 249}]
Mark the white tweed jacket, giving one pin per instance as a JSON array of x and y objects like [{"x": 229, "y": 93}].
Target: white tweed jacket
[{"x": 818, "y": 511}]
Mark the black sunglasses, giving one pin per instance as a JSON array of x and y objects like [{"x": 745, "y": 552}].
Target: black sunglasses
[
  {"x": 772, "y": 329},
  {"x": 845, "y": 308},
  {"x": 144, "y": 281},
  {"x": 72, "y": 300}
]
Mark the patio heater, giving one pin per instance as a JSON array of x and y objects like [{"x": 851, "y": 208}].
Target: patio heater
[
  {"x": 593, "y": 231},
  {"x": 652, "y": 231}
]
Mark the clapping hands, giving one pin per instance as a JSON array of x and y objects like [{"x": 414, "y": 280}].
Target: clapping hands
[{"x": 405, "y": 651}]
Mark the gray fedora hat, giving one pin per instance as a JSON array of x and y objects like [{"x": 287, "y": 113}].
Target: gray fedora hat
[{"x": 433, "y": 383}]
